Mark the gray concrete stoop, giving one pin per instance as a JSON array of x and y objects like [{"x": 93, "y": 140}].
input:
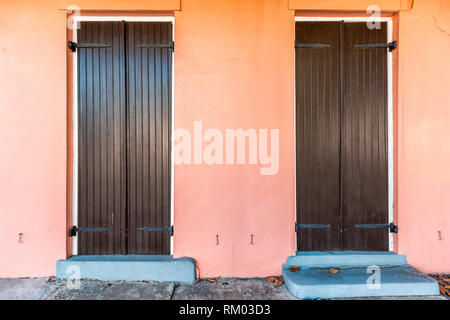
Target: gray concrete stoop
[
  {"x": 360, "y": 274},
  {"x": 128, "y": 268}
]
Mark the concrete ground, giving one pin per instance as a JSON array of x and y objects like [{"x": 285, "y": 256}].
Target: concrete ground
[{"x": 223, "y": 289}]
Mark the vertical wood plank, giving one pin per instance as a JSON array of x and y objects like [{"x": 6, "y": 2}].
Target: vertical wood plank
[
  {"x": 318, "y": 135},
  {"x": 101, "y": 93},
  {"x": 365, "y": 191},
  {"x": 149, "y": 80}
]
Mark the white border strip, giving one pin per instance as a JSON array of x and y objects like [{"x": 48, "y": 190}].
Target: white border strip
[
  {"x": 125, "y": 18},
  {"x": 345, "y": 19},
  {"x": 75, "y": 116},
  {"x": 390, "y": 114},
  {"x": 172, "y": 167},
  {"x": 75, "y": 144},
  {"x": 390, "y": 136}
]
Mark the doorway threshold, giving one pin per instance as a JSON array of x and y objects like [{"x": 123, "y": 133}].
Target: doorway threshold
[
  {"x": 128, "y": 268},
  {"x": 323, "y": 259}
]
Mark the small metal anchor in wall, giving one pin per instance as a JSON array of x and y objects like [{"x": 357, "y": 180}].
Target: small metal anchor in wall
[
  {"x": 21, "y": 237},
  {"x": 251, "y": 239},
  {"x": 440, "y": 235},
  {"x": 217, "y": 239}
]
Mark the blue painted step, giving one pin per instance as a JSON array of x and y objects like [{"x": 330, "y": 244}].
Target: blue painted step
[
  {"x": 355, "y": 279},
  {"x": 324, "y": 259},
  {"x": 130, "y": 268}
]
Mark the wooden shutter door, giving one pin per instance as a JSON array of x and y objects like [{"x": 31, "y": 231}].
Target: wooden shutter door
[
  {"x": 124, "y": 94},
  {"x": 149, "y": 67},
  {"x": 318, "y": 135},
  {"x": 101, "y": 139},
  {"x": 341, "y": 136},
  {"x": 364, "y": 140}
]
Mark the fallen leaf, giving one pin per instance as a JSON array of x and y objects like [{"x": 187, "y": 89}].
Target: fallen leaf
[
  {"x": 442, "y": 290},
  {"x": 271, "y": 279},
  {"x": 213, "y": 280},
  {"x": 333, "y": 270},
  {"x": 447, "y": 280},
  {"x": 294, "y": 269},
  {"x": 279, "y": 282}
]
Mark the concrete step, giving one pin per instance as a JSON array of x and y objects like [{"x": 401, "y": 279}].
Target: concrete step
[
  {"x": 324, "y": 259},
  {"x": 319, "y": 283},
  {"x": 128, "y": 268},
  {"x": 360, "y": 274}
]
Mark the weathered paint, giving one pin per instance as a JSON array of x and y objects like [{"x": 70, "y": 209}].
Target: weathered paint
[{"x": 234, "y": 68}]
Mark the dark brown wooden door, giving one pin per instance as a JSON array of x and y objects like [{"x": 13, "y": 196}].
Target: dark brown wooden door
[
  {"x": 341, "y": 133},
  {"x": 124, "y": 112},
  {"x": 364, "y": 140},
  {"x": 102, "y": 139},
  {"x": 318, "y": 129},
  {"x": 149, "y": 132}
]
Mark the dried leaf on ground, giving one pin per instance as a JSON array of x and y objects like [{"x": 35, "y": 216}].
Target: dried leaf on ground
[
  {"x": 271, "y": 279},
  {"x": 333, "y": 270},
  {"x": 446, "y": 280},
  {"x": 279, "y": 282},
  {"x": 294, "y": 269},
  {"x": 444, "y": 284},
  {"x": 214, "y": 280}
]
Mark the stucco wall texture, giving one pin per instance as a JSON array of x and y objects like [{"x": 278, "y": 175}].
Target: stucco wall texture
[{"x": 234, "y": 68}]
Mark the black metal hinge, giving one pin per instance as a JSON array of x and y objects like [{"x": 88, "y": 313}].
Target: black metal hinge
[
  {"x": 311, "y": 45},
  {"x": 170, "y": 45},
  {"x": 157, "y": 229},
  {"x": 311, "y": 226},
  {"x": 75, "y": 229},
  {"x": 73, "y": 46},
  {"x": 392, "y": 227},
  {"x": 390, "y": 45}
]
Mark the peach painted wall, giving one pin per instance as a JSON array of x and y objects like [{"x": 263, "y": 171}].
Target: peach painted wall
[
  {"x": 424, "y": 134},
  {"x": 234, "y": 68},
  {"x": 33, "y": 137},
  {"x": 349, "y": 5}
]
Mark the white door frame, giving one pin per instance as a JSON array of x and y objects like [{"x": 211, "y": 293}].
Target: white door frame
[
  {"x": 390, "y": 113},
  {"x": 77, "y": 19}
]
